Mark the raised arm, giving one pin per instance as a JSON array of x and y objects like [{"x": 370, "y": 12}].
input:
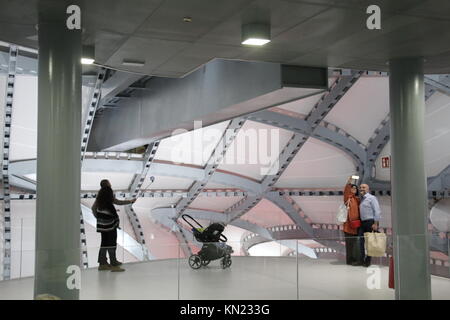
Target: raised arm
[
  {"x": 348, "y": 189},
  {"x": 123, "y": 202}
]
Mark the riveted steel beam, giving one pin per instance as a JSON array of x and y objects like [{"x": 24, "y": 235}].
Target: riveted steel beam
[
  {"x": 8, "y": 112},
  {"x": 134, "y": 189}
]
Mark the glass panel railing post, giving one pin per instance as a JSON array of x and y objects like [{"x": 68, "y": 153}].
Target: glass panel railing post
[
  {"x": 21, "y": 247},
  {"x": 178, "y": 272},
  {"x": 296, "y": 257}
]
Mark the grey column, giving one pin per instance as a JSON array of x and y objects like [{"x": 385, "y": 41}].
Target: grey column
[
  {"x": 58, "y": 156},
  {"x": 408, "y": 178}
]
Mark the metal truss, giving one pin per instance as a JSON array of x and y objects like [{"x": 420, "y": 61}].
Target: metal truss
[
  {"x": 314, "y": 119},
  {"x": 90, "y": 114},
  {"x": 134, "y": 189},
  {"x": 93, "y": 105},
  {"x": 161, "y": 214},
  {"x": 439, "y": 82},
  {"x": 381, "y": 137},
  {"x": 297, "y": 215},
  {"x": 325, "y": 132},
  {"x": 328, "y": 101},
  {"x": 440, "y": 182},
  {"x": 13, "y": 54},
  {"x": 213, "y": 162}
]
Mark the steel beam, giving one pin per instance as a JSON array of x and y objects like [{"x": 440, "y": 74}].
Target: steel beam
[
  {"x": 87, "y": 125},
  {"x": 6, "y": 254},
  {"x": 314, "y": 119},
  {"x": 134, "y": 189},
  {"x": 213, "y": 162},
  {"x": 325, "y": 132},
  {"x": 381, "y": 137},
  {"x": 439, "y": 82}
]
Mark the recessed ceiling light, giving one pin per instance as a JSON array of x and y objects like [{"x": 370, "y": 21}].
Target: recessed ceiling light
[
  {"x": 87, "y": 61},
  {"x": 256, "y": 42},
  {"x": 255, "y": 34},
  {"x": 133, "y": 63}
]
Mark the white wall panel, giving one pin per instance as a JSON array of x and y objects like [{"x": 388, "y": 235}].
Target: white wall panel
[
  {"x": 267, "y": 249},
  {"x": 214, "y": 203},
  {"x": 24, "y": 119},
  {"x": 437, "y": 137},
  {"x": 255, "y": 147},
  {"x": 361, "y": 110},
  {"x": 162, "y": 183},
  {"x": 119, "y": 181},
  {"x": 266, "y": 214},
  {"x": 317, "y": 165},
  {"x": 193, "y": 147}
]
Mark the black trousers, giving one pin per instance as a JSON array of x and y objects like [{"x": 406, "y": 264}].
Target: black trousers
[
  {"x": 108, "y": 244},
  {"x": 366, "y": 226},
  {"x": 351, "y": 248}
]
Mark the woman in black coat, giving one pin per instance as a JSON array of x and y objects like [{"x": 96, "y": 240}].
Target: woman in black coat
[{"x": 107, "y": 224}]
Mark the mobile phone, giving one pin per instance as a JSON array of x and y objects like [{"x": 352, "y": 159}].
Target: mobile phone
[{"x": 355, "y": 177}]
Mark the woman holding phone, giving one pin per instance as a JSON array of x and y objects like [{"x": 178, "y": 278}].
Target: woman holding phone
[{"x": 351, "y": 199}]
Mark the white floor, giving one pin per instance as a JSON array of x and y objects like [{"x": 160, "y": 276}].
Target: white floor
[{"x": 253, "y": 278}]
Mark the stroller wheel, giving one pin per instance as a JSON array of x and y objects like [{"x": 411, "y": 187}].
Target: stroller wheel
[
  {"x": 205, "y": 262},
  {"x": 195, "y": 261},
  {"x": 225, "y": 262}
]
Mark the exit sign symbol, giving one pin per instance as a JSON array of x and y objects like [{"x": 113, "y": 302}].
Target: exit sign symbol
[{"x": 386, "y": 162}]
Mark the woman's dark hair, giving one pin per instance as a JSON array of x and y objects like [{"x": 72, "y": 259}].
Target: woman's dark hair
[
  {"x": 105, "y": 198},
  {"x": 357, "y": 189}
]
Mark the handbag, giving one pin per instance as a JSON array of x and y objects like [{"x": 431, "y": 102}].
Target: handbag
[
  {"x": 341, "y": 215},
  {"x": 375, "y": 243},
  {"x": 355, "y": 224}
]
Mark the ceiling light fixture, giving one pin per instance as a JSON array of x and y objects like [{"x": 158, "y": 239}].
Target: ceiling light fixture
[
  {"x": 255, "y": 34},
  {"x": 88, "y": 55},
  {"x": 133, "y": 63},
  {"x": 87, "y": 61}
]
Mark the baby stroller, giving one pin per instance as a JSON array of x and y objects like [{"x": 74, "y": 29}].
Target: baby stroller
[{"x": 213, "y": 247}]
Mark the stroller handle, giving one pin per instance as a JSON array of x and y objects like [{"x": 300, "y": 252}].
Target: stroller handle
[{"x": 184, "y": 216}]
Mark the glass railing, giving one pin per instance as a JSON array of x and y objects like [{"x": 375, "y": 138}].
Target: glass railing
[{"x": 258, "y": 269}]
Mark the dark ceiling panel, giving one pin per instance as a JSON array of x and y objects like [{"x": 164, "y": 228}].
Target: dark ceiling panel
[
  {"x": 167, "y": 22},
  {"x": 154, "y": 52},
  {"x": 196, "y": 55},
  {"x": 309, "y": 32},
  {"x": 386, "y": 6},
  {"x": 123, "y": 17}
]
